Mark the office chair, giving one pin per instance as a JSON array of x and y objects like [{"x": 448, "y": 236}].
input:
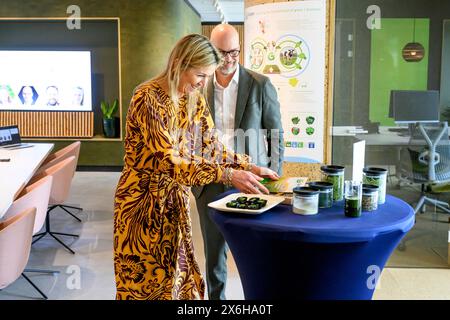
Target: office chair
[
  {"x": 71, "y": 150},
  {"x": 62, "y": 174},
  {"x": 15, "y": 243},
  {"x": 35, "y": 195},
  {"x": 429, "y": 153}
]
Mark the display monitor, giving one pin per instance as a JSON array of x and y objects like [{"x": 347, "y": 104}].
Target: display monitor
[
  {"x": 45, "y": 80},
  {"x": 410, "y": 106}
]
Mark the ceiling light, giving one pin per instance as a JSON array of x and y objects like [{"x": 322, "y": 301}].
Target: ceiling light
[{"x": 413, "y": 51}]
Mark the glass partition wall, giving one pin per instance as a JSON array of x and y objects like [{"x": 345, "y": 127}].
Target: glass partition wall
[{"x": 384, "y": 46}]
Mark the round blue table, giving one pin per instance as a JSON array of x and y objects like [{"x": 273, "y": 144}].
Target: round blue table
[{"x": 282, "y": 255}]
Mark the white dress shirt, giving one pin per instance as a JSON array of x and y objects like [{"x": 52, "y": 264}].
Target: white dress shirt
[{"x": 225, "y": 109}]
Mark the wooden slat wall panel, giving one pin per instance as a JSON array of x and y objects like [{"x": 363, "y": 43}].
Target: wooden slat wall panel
[{"x": 50, "y": 124}]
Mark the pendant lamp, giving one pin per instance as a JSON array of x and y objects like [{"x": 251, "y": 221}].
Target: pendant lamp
[{"x": 413, "y": 51}]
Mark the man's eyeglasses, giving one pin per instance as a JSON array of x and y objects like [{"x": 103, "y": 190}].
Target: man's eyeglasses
[{"x": 232, "y": 53}]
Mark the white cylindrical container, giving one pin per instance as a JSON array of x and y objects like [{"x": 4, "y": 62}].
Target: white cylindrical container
[{"x": 305, "y": 201}]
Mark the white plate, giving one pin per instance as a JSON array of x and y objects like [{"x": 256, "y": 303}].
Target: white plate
[{"x": 221, "y": 204}]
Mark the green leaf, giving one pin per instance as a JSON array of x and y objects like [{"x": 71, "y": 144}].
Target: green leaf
[
  {"x": 104, "y": 106},
  {"x": 109, "y": 110},
  {"x": 114, "y": 108}
]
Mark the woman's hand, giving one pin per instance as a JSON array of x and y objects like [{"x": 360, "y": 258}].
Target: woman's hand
[
  {"x": 248, "y": 182},
  {"x": 265, "y": 172}
]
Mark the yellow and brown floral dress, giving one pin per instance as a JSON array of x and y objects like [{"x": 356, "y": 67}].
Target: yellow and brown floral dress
[{"x": 153, "y": 250}]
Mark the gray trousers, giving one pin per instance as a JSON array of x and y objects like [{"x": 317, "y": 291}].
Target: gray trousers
[{"x": 214, "y": 244}]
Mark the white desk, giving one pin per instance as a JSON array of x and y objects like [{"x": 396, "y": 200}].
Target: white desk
[
  {"x": 384, "y": 138},
  {"x": 380, "y": 139},
  {"x": 388, "y": 138},
  {"x": 15, "y": 174}
]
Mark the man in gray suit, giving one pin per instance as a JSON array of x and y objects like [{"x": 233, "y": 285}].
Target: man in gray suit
[{"x": 246, "y": 111}]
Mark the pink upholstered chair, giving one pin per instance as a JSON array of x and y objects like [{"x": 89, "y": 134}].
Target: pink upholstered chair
[
  {"x": 62, "y": 154},
  {"x": 15, "y": 243},
  {"x": 62, "y": 173},
  {"x": 72, "y": 149},
  {"x": 35, "y": 195}
]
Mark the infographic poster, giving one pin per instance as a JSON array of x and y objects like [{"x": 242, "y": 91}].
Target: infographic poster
[{"x": 286, "y": 42}]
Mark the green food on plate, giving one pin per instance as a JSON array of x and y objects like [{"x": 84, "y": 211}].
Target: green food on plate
[{"x": 254, "y": 203}]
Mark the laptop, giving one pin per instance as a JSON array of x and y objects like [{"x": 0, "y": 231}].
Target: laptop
[{"x": 10, "y": 138}]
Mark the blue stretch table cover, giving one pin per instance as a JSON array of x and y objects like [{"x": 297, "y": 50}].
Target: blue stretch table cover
[
  {"x": 280, "y": 254},
  {"x": 330, "y": 224}
]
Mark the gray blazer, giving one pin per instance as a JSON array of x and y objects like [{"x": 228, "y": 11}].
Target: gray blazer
[{"x": 257, "y": 108}]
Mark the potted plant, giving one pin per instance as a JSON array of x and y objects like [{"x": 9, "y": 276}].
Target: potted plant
[{"x": 109, "y": 123}]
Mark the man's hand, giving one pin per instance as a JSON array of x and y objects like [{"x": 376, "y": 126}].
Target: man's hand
[
  {"x": 265, "y": 172},
  {"x": 248, "y": 182}
]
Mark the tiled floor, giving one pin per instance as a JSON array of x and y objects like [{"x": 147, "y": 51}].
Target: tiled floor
[{"x": 419, "y": 271}]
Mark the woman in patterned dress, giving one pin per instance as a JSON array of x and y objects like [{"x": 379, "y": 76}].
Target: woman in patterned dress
[{"x": 169, "y": 146}]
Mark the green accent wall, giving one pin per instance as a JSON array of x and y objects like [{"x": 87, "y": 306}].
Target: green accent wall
[
  {"x": 388, "y": 70},
  {"x": 149, "y": 29}
]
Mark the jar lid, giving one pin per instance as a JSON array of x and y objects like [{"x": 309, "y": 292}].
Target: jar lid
[
  {"x": 368, "y": 188},
  {"x": 332, "y": 169},
  {"x": 375, "y": 171},
  {"x": 305, "y": 191},
  {"x": 321, "y": 185}
]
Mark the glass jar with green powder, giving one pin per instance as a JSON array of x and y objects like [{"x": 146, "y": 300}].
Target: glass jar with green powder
[
  {"x": 325, "y": 193},
  {"x": 335, "y": 175},
  {"x": 376, "y": 177}
]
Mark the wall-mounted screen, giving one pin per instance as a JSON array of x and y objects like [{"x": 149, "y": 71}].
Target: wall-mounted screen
[{"x": 45, "y": 80}]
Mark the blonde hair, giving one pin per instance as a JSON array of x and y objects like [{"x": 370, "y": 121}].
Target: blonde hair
[{"x": 191, "y": 51}]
